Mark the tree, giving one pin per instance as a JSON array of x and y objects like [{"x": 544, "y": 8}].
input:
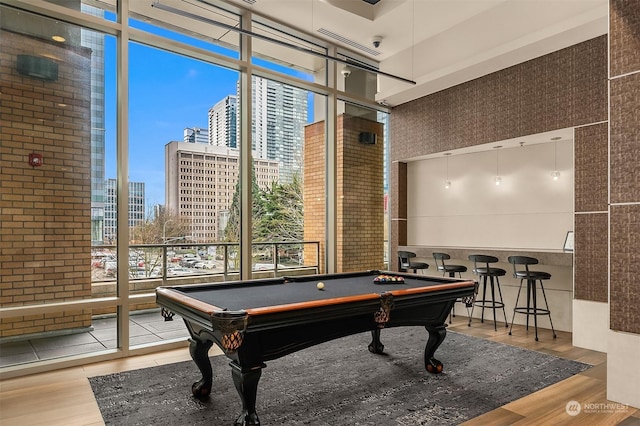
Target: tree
[
  {"x": 277, "y": 212},
  {"x": 167, "y": 226},
  {"x": 156, "y": 230},
  {"x": 232, "y": 230},
  {"x": 283, "y": 216}
]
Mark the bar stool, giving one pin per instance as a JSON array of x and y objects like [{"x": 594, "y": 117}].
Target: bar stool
[
  {"x": 405, "y": 263},
  {"x": 451, "y": 270},
  {"x": 532, "y": 277},
  {"x": 488, "y": 275}
]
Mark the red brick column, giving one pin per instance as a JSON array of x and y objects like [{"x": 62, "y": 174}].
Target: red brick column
[
  {"x": 360, "y": 203},
  {"x": 45, "y": 236}
]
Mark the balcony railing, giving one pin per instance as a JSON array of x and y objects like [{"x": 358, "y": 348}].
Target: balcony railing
[{"x": 181, "y": 260}]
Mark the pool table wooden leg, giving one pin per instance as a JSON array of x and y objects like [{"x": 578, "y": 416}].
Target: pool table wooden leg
[
  {"x": 436, "y": 337},
  {"x": 376, "y": 345},
  {"x": 199, "y": 350},
  {"x": 246, "y": 382}
]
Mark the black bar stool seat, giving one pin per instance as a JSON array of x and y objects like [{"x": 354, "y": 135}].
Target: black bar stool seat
[
  {"x": 450, "y": 270},
  {"x": 405, "y": 263},
  {"x": 488, "y": 277},
  {"x": 532, "y": 278}
]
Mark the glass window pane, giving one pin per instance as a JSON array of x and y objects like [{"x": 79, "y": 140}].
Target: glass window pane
[
  {"x": 202, "y": 25},
  {"x": 356, "y": 81},
  {"x": 55, "y": 136},
  {"x": 287, "y": 53},
  {"x": 360, "y": 188},
  {"x": 286, "y": 146},
  {"x": 148, "y": 326},
  {"x": 25, "y": 348},
  {"x": 183, "y": 169},
  {"x": 101, "y": 8}
]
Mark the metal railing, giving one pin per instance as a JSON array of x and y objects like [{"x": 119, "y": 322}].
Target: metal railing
[{"x": 172, "y": 260}]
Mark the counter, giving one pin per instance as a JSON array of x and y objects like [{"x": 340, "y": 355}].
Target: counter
[{"x": 559, "y": 289}]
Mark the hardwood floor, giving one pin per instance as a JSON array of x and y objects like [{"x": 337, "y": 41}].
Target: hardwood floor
[{"x": 65, "y": 398}]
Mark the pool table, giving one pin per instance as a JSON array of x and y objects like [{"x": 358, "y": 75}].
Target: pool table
[{"x": 256, "y": 321}]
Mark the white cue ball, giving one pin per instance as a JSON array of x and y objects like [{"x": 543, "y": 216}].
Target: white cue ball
[{"x": 320, "y": 285}]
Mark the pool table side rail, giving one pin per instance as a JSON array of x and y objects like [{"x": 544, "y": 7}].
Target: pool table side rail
[
  {"x": 185, "y": 300},
  {"x": 311, "y": 278},
  {"x": 352, "y": 299},
  {"x": 194, "y": 305}
]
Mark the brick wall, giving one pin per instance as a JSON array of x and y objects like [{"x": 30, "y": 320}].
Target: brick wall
[
  {"x": 360, "y": 209},
  {"x": 45, "y": 239},
  {"x": 313, "y": 191}
]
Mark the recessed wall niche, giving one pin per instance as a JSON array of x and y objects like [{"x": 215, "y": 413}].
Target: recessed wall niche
[{"x": 528, "y": 210}]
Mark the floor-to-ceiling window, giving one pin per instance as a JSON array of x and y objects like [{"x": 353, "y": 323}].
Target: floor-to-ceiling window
[
  {"x": 127, "y": 147},
  {"x": 287, "y": 144},
  {"x": 55, "y": 120}
]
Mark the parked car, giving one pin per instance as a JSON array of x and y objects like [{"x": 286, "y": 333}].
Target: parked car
[
  {"x": 180, "y": 271},
  {"x": 188, "y": 263}
]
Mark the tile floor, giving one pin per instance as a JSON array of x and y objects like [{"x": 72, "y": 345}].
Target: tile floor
[{"x": 147, "y": 327}]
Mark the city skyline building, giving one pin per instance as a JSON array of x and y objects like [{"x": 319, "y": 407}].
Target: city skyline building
[
  {"x": 158, "y": 210},
  {"x": 222, "y": 122},
  {"x": 137, "y": 207},
  {"x": 95, "y": 41},
  {"x": 196, "y": 135},
  {"x": 279, "y": 117},
  {"x": 200, "y": 184}
]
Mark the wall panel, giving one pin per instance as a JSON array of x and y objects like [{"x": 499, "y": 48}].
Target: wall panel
[
  {"x": 625, "y": 268},
  {"x": 590, "y": 257},
  {"x": 591, "y": 168},
  {"x": 624, "y": 164},
  {"x": 566, "y": 88},
  {"x": 625, "y": 139}
]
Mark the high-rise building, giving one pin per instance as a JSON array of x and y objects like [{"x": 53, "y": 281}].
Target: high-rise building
[
  {"x": 222, "y": 123},
  {"x": 94, "y": 40},
  {"x": 136, "y": 208},
  {"x": 279, "y": 117},
  {"x": 158, "y": 210},
  {"x": 196, "y": 135},
  {"x": 201, "y": 181}
]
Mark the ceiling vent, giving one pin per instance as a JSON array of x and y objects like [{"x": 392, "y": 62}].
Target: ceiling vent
[
  {"x": 252, "y": 2},
  {"x": 348, "y": 42}
]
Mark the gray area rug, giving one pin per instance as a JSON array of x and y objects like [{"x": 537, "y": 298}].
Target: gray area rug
[{"x": 340, "y": 382}]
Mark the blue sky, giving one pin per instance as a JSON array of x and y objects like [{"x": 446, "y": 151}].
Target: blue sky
[{"x": 167, "y": 93}]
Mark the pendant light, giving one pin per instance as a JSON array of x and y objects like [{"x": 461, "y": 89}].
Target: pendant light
[
  {"x": 447, "y": 182},
  {"x": 498, "y": 179},
  {"x": 555, "y": 174}
]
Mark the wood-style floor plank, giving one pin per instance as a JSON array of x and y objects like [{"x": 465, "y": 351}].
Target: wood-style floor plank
[
  {"x": 548, "y": 406},
  {"x": 64, "y": 397}
]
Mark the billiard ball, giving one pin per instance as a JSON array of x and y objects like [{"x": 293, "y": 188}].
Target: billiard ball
[{"x": 320, "y": 285}]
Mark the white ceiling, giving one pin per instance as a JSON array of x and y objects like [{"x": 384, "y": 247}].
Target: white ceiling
[
  {"x": 441, "y": 43},
  {"x": 435, "y": 43}
]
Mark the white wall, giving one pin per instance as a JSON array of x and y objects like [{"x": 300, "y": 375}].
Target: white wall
[
  {"x": 593, "y": 318},
  {"x": 529, "y": 210},
  {"x": 623, "y": 376}
]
